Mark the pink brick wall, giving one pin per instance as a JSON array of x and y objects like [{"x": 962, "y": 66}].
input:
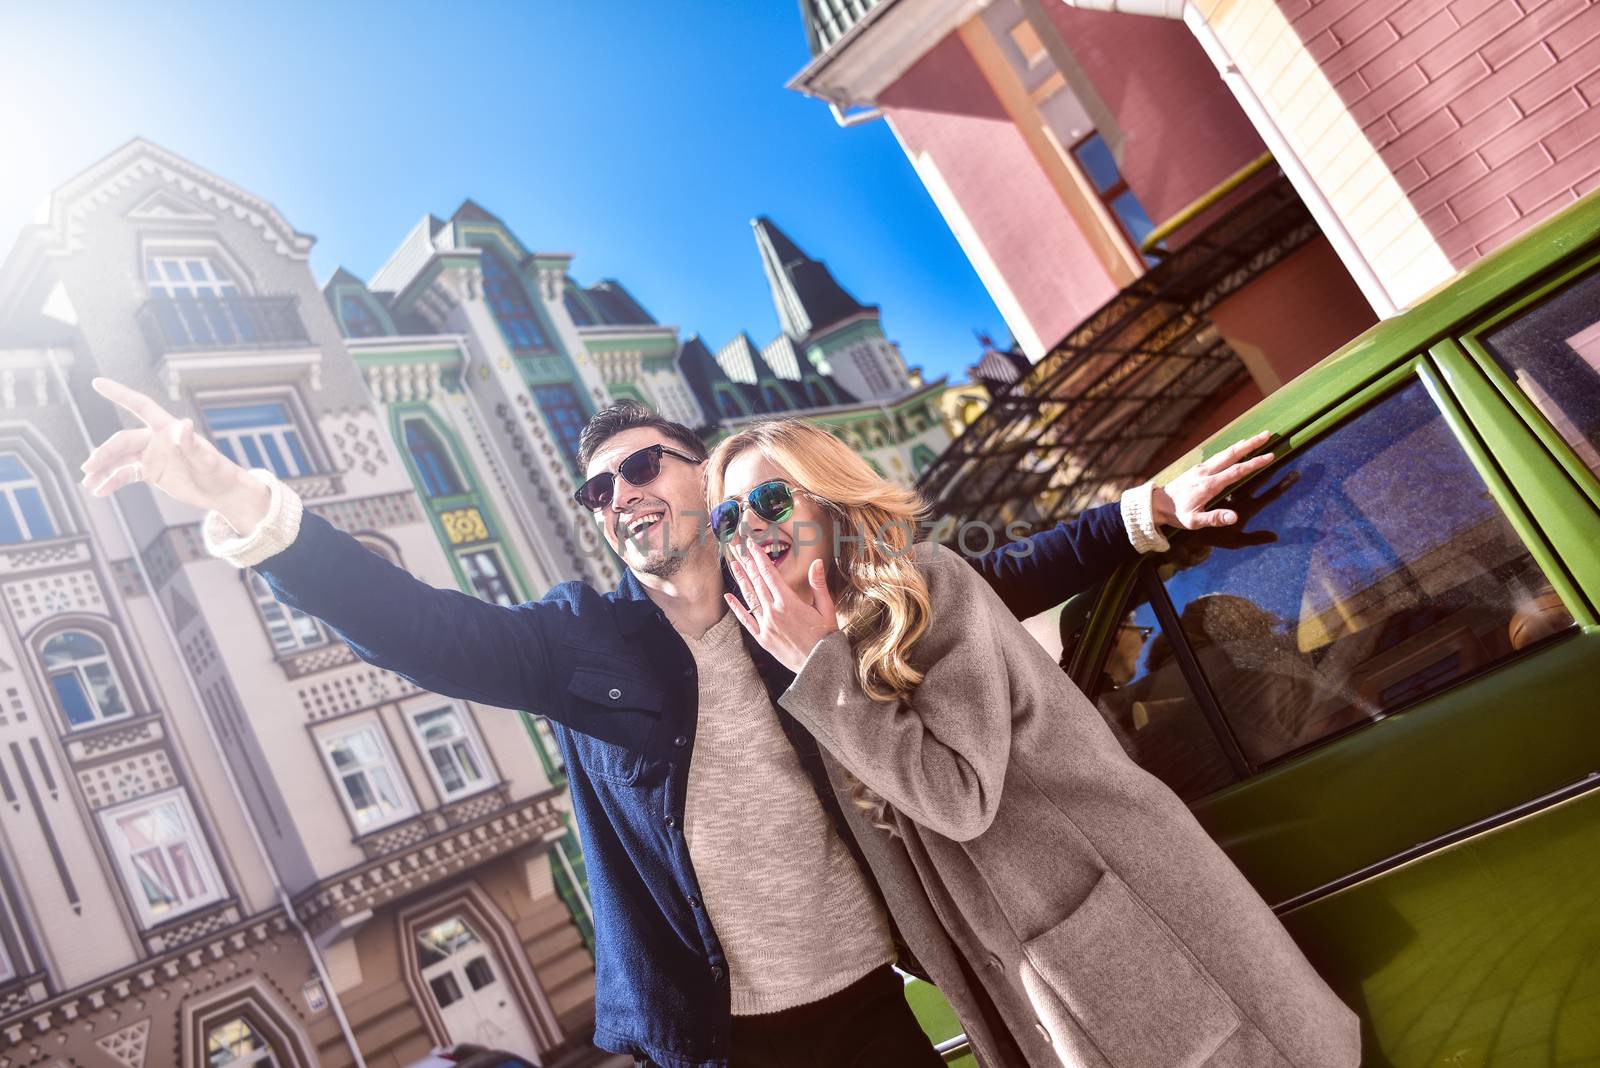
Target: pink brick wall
[
  {"x": 943, "y": 106},
  {"x": 1486, "y": 111},
  {"x": 1183, "y": 131}
]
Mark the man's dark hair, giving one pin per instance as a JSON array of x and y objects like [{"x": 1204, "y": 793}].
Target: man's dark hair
[{"x": 613, "y": 419}]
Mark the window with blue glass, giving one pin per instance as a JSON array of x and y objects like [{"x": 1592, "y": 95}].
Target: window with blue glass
[
  {"x": 259, "y": 435},
  {"x": 774, "y": 399},
  {"x": 565, "y": 413},
  {"x": 577, "y": 309},
  {"x": 728, "y": 405},
  {"x": 511, "y": 306},
  {"x": 24, "y": 515},
  {"x": 438, "y": 472},
  {"x": 84, "y": 681},
  {"x": 815, "y": 395},
  {"x": 357, "y": 317},
  {"x": 1094, "y": 156}
]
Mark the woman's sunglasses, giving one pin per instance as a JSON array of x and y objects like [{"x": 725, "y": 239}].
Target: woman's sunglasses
[
  {"x": 639, "y": 468},
  {"x": 772, "y": 501}
]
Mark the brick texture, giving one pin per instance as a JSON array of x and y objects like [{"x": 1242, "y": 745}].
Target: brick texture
[{"x": 1487, "y": 112}]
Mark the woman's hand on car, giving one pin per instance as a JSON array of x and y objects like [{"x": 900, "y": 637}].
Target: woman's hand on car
[{"x": 1182, "y": 502}]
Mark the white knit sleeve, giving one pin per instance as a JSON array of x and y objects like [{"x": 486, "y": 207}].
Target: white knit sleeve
[
  {"x": 275, "y": 533},
  {"x": 1138, "y": 517}
]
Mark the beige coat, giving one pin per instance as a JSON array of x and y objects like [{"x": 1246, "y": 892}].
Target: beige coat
[{"x": 1066, "y": 902}]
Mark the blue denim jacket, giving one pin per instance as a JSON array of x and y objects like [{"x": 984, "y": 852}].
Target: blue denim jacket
[{"x": 619, "y": 687}]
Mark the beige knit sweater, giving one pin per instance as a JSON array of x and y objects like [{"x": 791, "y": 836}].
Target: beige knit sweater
[{"x": 792, "y": 908}]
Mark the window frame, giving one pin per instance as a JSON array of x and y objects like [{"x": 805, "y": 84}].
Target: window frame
[
  {"x": 42, "y": 489},
  {"x": 203, "y": 857},
  {"x": 488, "y": 778},
  {"x": 491, "y": 549},
  {"x": 1093, "y": 650},
  {"x": 296, "y": 421},
  {"x": 264, "y": 601},
  {"x": 328, "y": 734},
  {"x": 463, "y": 485},
  {"x": 110, "y": 657},
  {"x": 269, "y": 1055},
  {"x": 1476, "y": 352},
  {"x": 541, "y": 325},
  {"x": 1109, "y": 197}
]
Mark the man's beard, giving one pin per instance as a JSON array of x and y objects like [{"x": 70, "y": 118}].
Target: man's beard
[{"x": 663, "y": 563}]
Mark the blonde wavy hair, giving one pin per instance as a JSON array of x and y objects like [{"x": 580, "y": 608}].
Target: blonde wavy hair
[{"x": 880, "y": 595}]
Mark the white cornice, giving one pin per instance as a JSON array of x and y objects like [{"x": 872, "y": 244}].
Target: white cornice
[
  {"x": 71, "y": 205},
  {"x": 880, "y": 48}
]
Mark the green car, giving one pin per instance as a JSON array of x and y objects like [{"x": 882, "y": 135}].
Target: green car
[{"x": 1380, "y": 693}]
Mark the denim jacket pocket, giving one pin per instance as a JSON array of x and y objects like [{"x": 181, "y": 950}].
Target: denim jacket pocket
[
  {"x": 612, "y": 718},
  {"x": 1122, "y": 980}
]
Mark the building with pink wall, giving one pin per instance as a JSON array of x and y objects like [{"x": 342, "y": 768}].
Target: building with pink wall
[{"x": 1083, "y": 150}]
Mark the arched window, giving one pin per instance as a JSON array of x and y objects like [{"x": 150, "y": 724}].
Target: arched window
[
  {"x": 511, "y": 306},
  {"x": 357, "y": 317},
  {"x": 729, "y": 406},
  {"x": 24, "y": 516},
  {"x": 290, "y": 629},
  {"x": 815, "y": 394},
  {"x": 564, "y": 410},
  {"x": 83, "y": 678},
  {"x": 774, "y": 398},
  {"x": 237, "y": 1044},
  {"x": 439, "y": 477}
]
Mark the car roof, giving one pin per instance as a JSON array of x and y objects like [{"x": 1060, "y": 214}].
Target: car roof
[{"x": 1466, "y": 298}]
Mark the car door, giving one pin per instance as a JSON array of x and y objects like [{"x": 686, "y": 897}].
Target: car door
[{"x": 1377, "y": 694}]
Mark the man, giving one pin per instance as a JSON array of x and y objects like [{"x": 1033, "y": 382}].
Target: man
[{"x": 735, "y": 918}]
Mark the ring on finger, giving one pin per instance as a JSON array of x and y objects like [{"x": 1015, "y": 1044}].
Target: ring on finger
[{"x": 137, "y": 467}]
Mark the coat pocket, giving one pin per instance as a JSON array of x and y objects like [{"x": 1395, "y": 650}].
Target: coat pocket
[{"x": 1123, "y": 981}]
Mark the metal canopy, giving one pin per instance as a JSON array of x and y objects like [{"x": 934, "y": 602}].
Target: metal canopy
[{"x": 1127, "y": 385}]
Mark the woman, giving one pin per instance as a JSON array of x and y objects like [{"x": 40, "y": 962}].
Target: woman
[{"x": 1065, "y": 901}]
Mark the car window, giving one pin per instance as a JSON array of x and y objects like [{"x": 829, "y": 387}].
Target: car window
[
  {"x": 1552, "y": 351},
  {"x": 1149, "y": 705},
  {"x": 1371, "y": 569}
]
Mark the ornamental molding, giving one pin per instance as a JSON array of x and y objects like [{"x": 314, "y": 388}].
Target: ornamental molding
[
  {"x": 72, "y": 205},
  {"x": 24, "y": 1033},
  {"x": 619, "y": 365},
  {"x": 393, "y": 383},
  {"x": 342, "y": 903}
]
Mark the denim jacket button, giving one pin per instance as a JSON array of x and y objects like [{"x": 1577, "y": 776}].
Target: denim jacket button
[
  {"x": 615, "y": 694},
  {"x": 672, "y": 821},
  {"x": 681, "y": 740},
  {"x": 716, "y": 974},
  {"x": 694, "y": 902}
]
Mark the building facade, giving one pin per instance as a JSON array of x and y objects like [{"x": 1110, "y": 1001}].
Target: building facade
[
  {"x": 1179, "y": 205},
  {"x": 221, "y": 834},
  {"x": 1054, "y": 135}
]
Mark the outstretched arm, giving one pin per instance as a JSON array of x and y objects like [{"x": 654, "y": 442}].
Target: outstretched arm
[
  {"x": 1038, "y": 572},
  {"x": 443, "y": 640}
]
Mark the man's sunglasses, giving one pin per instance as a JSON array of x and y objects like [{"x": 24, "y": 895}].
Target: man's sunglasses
[
  {"x": 772, "y": 501},
  {"x": 639, "y": 468}
]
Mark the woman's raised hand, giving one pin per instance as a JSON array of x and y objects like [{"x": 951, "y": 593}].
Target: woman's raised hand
[
  {"x": 786, "y": 624},
  {"x": 1182, "y": 502},
  {"x": 169, "y": 455}
]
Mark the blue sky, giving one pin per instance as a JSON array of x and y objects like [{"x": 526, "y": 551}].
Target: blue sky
[{"x": 642, "y": 136}]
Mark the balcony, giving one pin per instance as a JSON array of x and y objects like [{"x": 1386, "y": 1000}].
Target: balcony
[
  {"x": 212, "y": 324},
  {"x": 212, "y": 342}
]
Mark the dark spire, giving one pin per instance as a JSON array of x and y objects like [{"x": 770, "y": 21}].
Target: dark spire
[{"x": 804, "y": 291}]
